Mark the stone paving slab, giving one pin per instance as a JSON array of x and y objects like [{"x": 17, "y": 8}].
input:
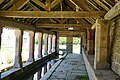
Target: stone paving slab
[{"x": 71, "y": 68}]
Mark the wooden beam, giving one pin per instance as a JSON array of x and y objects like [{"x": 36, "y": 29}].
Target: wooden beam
[
  {"x": 69, "y": 33},
  {"x": 94, "y": 26},
  {"x": 63, "y": 25},
  {"x": 53, "y": 14},
  {"x": 40, "y": 4},
  {"x": 18, "y": 5},
  {"x": 15, "y": 24},
  {"x": 54, "y": 3},
  {"x": 113, "y": 12},
  {"x": 65, "y": 29}
]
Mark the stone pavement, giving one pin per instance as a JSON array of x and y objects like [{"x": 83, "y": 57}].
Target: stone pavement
[{"x": 71, "y": 68}]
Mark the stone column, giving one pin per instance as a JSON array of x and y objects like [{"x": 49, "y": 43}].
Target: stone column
[
  {"x": 45, "y": 44},
  {"x": 1, "y": 30},
  {"x": 53, "y": 43},
  {"x": 84, "y": 40},
  {"x": 18, "y": 48},
  {"x": 45, "y": 50},
  {"x": 81, "y": 45},
  {"x": 69, "y": 44},
  {"x": 0, "y": 44},
  {"x": 101, "y": 44},
  {"x": 31, "y": 46},
  {"x": 90, "y": 42},
  {"x": 40, "y": 36},
  {"x": 49, "y": 44}
]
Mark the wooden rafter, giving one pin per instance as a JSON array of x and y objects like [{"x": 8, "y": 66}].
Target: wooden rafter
[
  {"x": 8, "y": 4},
  {"x": 63, "y": 25},
  {"x": 102, "y": 5},
  {"x": 93, "y": 5},
  {"x": 40, "y": 3},
  {"x": 33, "y": 6},
  {"x": 17, "y": 5},
  {"x": 52, "y": 14},
  {"x": 81, "y": 4},
  {"x": 1, "y": 1},
  {"x": 54, "y": 3}
]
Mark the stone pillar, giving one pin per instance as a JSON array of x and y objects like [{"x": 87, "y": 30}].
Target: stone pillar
[
  {"x": 56, "y": 44},
  {"x": 0, "y": 44},
  {"x": 31, "y": 46},
  {"x": 90, "y": 42},
  {"x": 45, "y": 50},
  {"x": 40, "y": 36},
  {"x": 81, "y": 45},
  {"x": 0, "y": 35},
  {"x": 69, "y": 44},
  {"x": 101, "y": 44},
  {"x": 84, "y": 44},
  {"x": 50, "y": 44},
  {"x": 53, "y": 43},
  {"x": 45, "y": 44},
  {"x": 18, "y": 48}
]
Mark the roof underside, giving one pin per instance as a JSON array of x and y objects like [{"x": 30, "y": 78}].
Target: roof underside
[{"x": 56, "y": 15}]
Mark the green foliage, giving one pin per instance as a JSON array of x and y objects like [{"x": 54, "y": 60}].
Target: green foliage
[
  {"x": 62, "y": 40},
  {"x": 76, "y": 40},
  {"x": 82, "y": 77}
]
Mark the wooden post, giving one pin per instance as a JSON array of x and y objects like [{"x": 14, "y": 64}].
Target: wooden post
[
  {"x": 18, "y": 48},
  {"x": 40, "y": 36},
  {"x": 31, "y": 46},
  {"x": 90, "y": 42},
  {"x": 101, "y": 44}
]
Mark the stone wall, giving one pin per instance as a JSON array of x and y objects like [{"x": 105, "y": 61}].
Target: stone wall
[{"x": 115, "y": 45}]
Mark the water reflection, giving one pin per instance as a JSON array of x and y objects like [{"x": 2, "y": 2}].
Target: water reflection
[{"x": 40, "y": 73}]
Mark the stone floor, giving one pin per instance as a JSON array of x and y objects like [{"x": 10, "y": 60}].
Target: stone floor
[
  {"x": 107, "y": 74},
  {"x": 71, "y": 68}
]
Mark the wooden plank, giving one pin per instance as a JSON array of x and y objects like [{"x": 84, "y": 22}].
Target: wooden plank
[
  {"x": 113, "y": 12},
  {"x": 53, "y": 14},
  {"x": 18, "y": 5},
  {"x": 40, "y": 4}
]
